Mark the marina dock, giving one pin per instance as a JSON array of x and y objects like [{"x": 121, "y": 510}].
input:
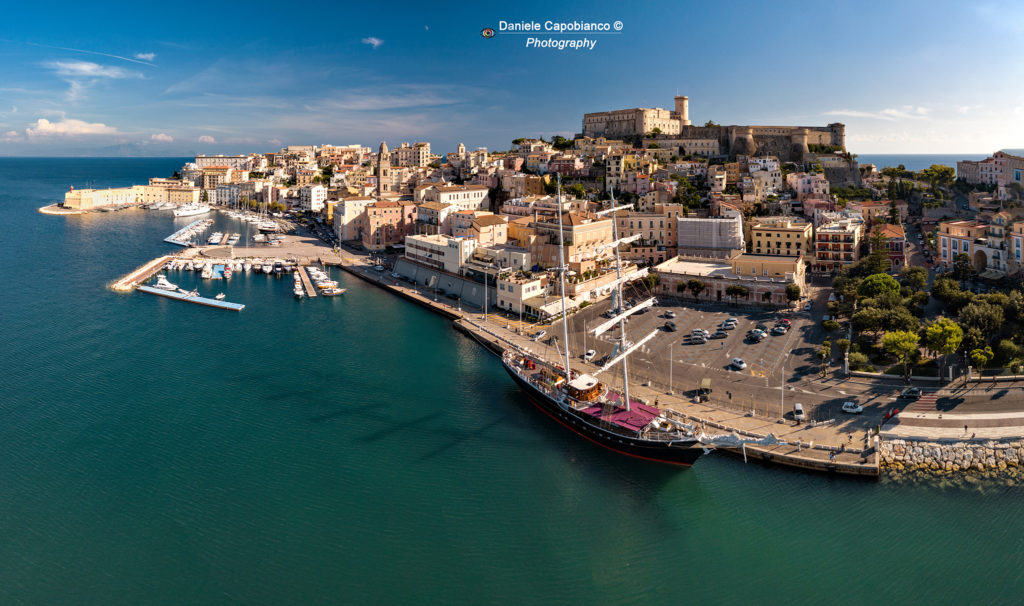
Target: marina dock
[
  {"x": 190, "y": 299},
  {"x": 184, "y": 235},
  {"x": 225, "y": 239},
  {"x": 140, "y": 274},
  {"x": 306, "y": 283}
]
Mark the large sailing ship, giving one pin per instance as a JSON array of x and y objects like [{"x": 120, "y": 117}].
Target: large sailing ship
[{"x": 581, "y": 403}]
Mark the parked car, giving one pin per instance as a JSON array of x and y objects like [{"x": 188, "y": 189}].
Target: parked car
[
  {"x": 808, "y": 306},
  {"x": 395, "y": 274},
  {"x": 852, "y": 408},
  {"x": 785, "y": 322},
  {"x": 728, "y": 326},
  {"x": 589, "y": 355},
  {"x": 779, "y": 330},
  {"x": 762, "y": 327},
  {"x": 695, "y": 339},
  {"x": 379, "y": 268},
  {"x": 700, "y": 331},
  {"x": 733, "y": 320},
  {"x": 755, "y": 337},
  {"x": 670, "y": 326},
  {"x": 739, "y": 363},
  {"x": 719, "y": 334},
  {"x": 537, "y": 336},
  {"x": 798, "y": 412},
  {"x": 670, "y": 314},
  {"x": 910, "y": 393}
]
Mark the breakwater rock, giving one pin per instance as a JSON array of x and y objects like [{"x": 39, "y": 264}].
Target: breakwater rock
[{"x": 950, "y": 456}]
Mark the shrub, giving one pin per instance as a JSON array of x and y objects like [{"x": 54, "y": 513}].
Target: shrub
[{"x": 830, "y": 325}]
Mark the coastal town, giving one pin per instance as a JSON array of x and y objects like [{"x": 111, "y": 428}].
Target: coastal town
[{"x": 811, "y": 310}]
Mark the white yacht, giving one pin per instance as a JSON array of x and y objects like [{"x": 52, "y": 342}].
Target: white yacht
[
  {"x": 247, "y": 267},
  {"x": 164, "y": 284},
  {"x": 189, "y": 210}
]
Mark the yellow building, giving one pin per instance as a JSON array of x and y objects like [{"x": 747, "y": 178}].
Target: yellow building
[{"x": 784, "y": 236}]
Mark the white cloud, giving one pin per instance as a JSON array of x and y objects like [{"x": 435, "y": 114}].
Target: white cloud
[
  {"x": 68, "y": 127},
  {"x": 891, "y": 113},
  {"x": 207, "y": 139},
  {"x": 274, "y": 142},
  {"x": 11, "y": 135},
  {"x": 162, "y": 138},
  {"x": 145, "y": 56},
  {"x": 372, "y": 41},
  {"x": 88, "y": 69}
]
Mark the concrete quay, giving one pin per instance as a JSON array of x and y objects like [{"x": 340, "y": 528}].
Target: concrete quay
[{"x": 822, "y": 448}]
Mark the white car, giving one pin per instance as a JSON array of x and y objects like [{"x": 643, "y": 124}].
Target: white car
[
  {"x": 589, "y": 355},
  {"x": 852, "y": 408},
  {"x": 670, "y": 314},
  {"x": 808, "y": 306},
  {"x": 739, "y": 363},
  {"x": 537, "y": 336}
]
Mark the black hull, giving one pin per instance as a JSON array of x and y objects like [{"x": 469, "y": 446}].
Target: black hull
[{"x": 684, "y": 452}]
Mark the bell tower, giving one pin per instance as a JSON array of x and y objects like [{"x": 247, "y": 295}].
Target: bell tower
[{"x": 383, "y": 169}]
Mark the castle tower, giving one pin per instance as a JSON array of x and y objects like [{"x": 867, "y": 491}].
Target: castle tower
[
  {"x": 383, "y": 169},
  {"x": 683, "y": 109},
  {"x": 838, "y": 134},
  {"x": 799, "y": 140},
  {"x": 741, "y": 141}
]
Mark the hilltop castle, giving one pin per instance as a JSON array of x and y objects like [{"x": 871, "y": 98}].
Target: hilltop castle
[{"x": 788, "y": 143}]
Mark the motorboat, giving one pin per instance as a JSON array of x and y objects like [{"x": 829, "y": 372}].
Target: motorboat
[
  {"x": 227, "y": 271},
  {"x": 268, "y": 268},
  {"x": 164, "y": 284},
  {"x": 207, "y": 271},
  {"x": 331, "y": 292},
  {"x": 189, "y": 210},
  {"x": 247, "y": 266},
  {"x": 298, "y": 291},
  {"x": 220, "y": 297}
]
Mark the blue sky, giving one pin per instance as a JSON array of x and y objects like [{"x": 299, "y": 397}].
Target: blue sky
[{"x": 174, "y": 78}]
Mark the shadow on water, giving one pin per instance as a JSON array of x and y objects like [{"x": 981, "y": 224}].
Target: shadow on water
[{"x": 461, "y": 437}]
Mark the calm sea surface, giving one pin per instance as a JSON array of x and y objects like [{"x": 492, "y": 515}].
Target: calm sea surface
[
  {"x": 916, "y": 161},
  {"x": 358, "y": 450}
]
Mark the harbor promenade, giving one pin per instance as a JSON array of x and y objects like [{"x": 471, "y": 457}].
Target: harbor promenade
[{"x": 820, "y": 448}]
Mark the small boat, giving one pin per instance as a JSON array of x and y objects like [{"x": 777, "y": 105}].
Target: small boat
[
  {"x": 207, "y": 271},
  {"x": 322, "y": 284},
  {"x": 227, "y": 271},
  {"x": 220, "y": 297},
  {"x": 169, "y": 265},
  {"x": 247, "y": 266},
  {"x": 259, "y": 238},
  {"x": 164, "y": 284},
  {"x": 268, "y": 268},
  {"x": 189, "y": 266},
  {"x": 299, "y": 293},
  {"x": 278, "y": 267},
  {"x": 330, "y": 292}
]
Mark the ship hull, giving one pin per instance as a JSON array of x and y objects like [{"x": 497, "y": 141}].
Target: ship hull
[{"x": 683, "y": 453}]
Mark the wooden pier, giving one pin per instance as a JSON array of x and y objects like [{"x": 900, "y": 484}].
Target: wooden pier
[
  {"x": 225, "y": 239},
  {"x": 306, "y": 283},
  {"x": 170, "y": 294},
  {"x": 140, "y": 274}
]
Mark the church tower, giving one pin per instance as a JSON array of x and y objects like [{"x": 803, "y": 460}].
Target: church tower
[{"x": 383, "y": 169}]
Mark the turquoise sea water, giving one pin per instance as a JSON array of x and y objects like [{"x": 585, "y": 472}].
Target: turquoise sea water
[
  {"x": 358, "y": 450},
  {"x": 916, "y": 161}
]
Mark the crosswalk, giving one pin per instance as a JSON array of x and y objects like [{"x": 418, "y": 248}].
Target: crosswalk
[{"x": 926, "y": 403}]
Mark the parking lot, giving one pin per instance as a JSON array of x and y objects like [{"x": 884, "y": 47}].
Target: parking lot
[{"x": 764, "y": 359}]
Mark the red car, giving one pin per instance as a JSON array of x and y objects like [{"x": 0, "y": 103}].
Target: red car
[{"x": 785, "y": 322}]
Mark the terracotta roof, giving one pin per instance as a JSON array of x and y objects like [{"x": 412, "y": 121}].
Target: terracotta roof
[
  {"x": 890, "y": 231},
  {"x": 487, "y": 220}
]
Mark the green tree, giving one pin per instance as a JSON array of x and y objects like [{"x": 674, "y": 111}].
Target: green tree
[
  {"x": 824, "y": 353},
  {"x": 877, "y": 284},
  {"x": 1007, "y": 350},
  {"x": 943, "y": 337},
  {"x": 981, "y": 356},
  {"x": 651, "y": 281},
  {"x": 914, "y": 278},
  {"x": 830, "y": 325},
  {"x": 868, "y": 319},
  {"x": 736, "y": 291},
  {"x": 793, "y": 292},
  {"x": 984, "y": 316},
  {"x": 843, "y": 345},
  {"x": 204, "y": 197},
  {"x": 695, "y": 287},
  {"x": 901, "y": 344},
  {"x": 962, "y": 267}
]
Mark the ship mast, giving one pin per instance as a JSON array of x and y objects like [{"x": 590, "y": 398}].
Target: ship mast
[
  {"x": 622, "y": 305},
  {"x": 561, "y": 272}
]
